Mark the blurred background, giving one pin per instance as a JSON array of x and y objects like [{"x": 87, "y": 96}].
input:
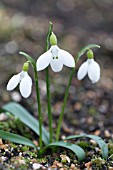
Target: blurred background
[{"x": 23, "y": 27}]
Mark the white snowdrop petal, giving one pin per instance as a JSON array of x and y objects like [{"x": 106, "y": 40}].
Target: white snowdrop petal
[
  {"x": 44, "y": 60},
  {"x": 56, "y": 65},
  {"x": 26, "y": 86},
  {"x": 94, "y": 71},
  {"x": 82, "y": 71},
  {"x": 13, "y": 82},
  {"x": 27, "y": 75},
  {"x": 67, "y": 58}
]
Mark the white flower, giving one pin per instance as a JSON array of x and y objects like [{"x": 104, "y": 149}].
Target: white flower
[
  {"x": 25, "y": 83},
  {"x": 91, "y": 68},
  {"x": 56, "y": 57}
]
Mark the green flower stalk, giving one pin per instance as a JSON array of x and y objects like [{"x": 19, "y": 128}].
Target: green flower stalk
[
  {"x": 48, "y": 85},
  {"x": 39, "y": 106}
]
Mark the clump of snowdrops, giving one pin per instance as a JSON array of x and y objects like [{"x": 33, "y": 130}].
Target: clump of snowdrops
[{"x": 55, "y": 58}]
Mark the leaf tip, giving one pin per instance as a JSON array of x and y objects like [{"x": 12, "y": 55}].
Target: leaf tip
[{"x": 20, "y": 52}]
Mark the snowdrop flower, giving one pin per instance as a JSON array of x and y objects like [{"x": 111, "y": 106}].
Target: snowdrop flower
[
  {"x": 24, "y": 81},
  {"x": 56, "y": 57},
  {"x": 89, "y": 67}
]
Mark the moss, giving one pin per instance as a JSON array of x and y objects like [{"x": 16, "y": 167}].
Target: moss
[
  {"x": 32, "y": 154},
  {"x": 15, "y": 126},
  {"x": 110, "y": 148},
  {"x": 25, "y": 148},
  {"x": 98, "y": 163},
  {"x": 57, "y": 159},
  {"x": 111, "y": 157},
  {"x": 93, "y": 111},
  {"x": 42, "y": 160},
  {"x": 84, "y": 145}
]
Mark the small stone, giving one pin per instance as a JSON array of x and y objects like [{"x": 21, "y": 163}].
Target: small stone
[
  {"x": 20, "y": 154},
  {"x": 65, "y": 158},
  {"x": 110, "y": 168},
  {"x": 53, "y": 166},
  {"x": 55, "y": 162},
  {"x": 97, "y": 132},
  {"x": 93, "y": 141},
  {"x": 63, "y": 137},
  {"x": 3, "y": 158},
  {"x": 59, "y": 165},
  {"x": 77, "y": 106},
  {"x": 107, "y": 133},
  {"x": 36, "y": 143},
  {"x": 90, "y": 120},
  {"x": 1, "y": 143},
  {"x": 1, "y": 166},
  {"x": 36, "y": 166},
  {"x": 91, "y": 94},
  {"x": 72, "y": 166},
  {"x": 22, "y": 162},
  {"x": 88, "y": 165},
  {"x": 2, "y": 146},
  {"x": 16, "y": 96},
  {"x": 97, "y": 149},
  {"x": 3, "y": 117}
]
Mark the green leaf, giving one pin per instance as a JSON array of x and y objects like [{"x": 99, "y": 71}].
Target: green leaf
[
  {"x": 83, "y": 50},
  {"x": 20, "y": 112},
  {"x": 101, "y": 143},
  {"x": 74, "y": 148},
  {"x": 99, "y": 140},
  {"x": 28, "y": 57},
  {"x": 16, "y": 138}
]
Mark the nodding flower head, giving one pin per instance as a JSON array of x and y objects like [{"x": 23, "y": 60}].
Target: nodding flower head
[
  {"x": 56, "y": 57},
  {"x": 24, "y": 81},
  {"x": 89, "y": 67}
]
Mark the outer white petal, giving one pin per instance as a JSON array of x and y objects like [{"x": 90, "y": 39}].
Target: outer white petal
[
  {"x": 82, "y": 70},
  {"x": 56, "y": 64},
  {"x": 44, "y": 60},
  {"x": 13, "y": 82},
  {"x": 67, "y": 58},
  {"x": 94, "y": 71},
  {"x": 26, "y": 86}
]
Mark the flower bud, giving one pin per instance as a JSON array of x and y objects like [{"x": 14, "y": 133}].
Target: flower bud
[
  {"x": 53, "y": 39},
  {"x": 90, "y": 54},
  {"x": 25, "y": 66}
]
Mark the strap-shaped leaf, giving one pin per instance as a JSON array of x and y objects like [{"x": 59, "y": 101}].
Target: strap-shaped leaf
[
  {"x": 28, "y": 57},
  {"x": 20, "y": 112},
  {"x": 83, "y": 50},
  {"x": 74, "y": 148},
  {"x": 100, "y": 141},
  {"x": 16, "y": 138}
]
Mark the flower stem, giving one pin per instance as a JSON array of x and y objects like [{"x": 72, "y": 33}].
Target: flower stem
[
  {"x": 39, "y": 106},
  {"x": 48, "y": 84},
  {"x": 64, "y": 104}
]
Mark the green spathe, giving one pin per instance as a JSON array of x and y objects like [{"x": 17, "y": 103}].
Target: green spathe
[
  {"x": 53, "y": 39},
  {"x": 90, "y": 54},
  {"x": 25, "y": 66}
]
